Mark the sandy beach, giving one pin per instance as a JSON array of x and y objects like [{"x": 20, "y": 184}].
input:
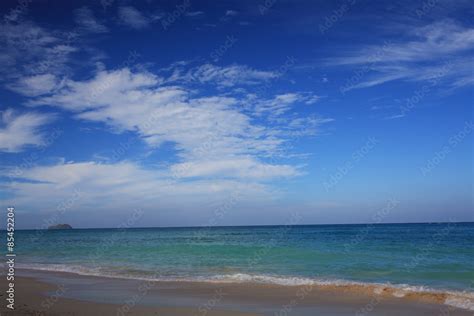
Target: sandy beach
[{"x": 47, "y": 293}]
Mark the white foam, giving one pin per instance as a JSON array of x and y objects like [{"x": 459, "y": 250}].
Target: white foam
[
  {"x": 465, "y": 301},
  {"x": 89, "y": 271},
  {"x": 60, "y": 268},
  {"x": 248, "y": 278}
]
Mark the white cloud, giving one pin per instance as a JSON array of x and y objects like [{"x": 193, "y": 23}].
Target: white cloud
[
  {"x": 18, "y": 131},
  {"x": 36, "y": 85},
  {"x": 118, "y": 187},
  {"x": 283, "y": 103},
  {"x": 104, "y": 89},
  {"x": 200, "y": 127},
  {"x": 420, "y": 58},
  {"x": 132, "y": 17},
  {"x": 242, "y": 167},
  {"x": 219, "y": 147},
  {"x": 225, "y": 76},
  {"x": 86, "y": 19},
  {"x": 431, "y": 42},
  {"x": 454, "y": 73}
]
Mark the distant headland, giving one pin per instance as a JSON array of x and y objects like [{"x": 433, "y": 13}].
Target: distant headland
[{"x": 60, "y": 226}]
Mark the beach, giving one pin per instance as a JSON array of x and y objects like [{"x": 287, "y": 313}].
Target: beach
[{"x": 59, "y": 293}]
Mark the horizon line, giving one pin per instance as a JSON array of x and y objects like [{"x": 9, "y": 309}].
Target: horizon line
[{"x": 263, "y": 225}]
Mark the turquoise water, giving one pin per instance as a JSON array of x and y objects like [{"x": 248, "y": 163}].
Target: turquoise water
[{"x": 438, "y": 256}]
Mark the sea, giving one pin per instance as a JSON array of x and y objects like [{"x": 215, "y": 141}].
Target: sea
[{"x": 406, "y": 258}]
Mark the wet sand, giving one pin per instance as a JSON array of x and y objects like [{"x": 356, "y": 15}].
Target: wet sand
[
  {"x": 33, "y": 297},
  {"x": 48, "y": 293}
]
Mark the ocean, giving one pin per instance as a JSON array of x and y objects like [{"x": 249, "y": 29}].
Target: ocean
[{"x": 404, "y": 257}]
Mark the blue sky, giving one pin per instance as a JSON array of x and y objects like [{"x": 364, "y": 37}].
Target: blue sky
[{"x": 236, "y": 112}]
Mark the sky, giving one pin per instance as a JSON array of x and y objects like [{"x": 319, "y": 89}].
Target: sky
[{"x": 201, "y": 113}]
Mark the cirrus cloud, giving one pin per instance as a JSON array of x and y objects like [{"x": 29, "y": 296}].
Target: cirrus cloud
[{"x": 18, "y": 131}]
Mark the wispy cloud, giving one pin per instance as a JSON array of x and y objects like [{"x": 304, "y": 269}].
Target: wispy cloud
[
  {"x": 420, "y": 57},
  {"x": 194, "y": 13},
  {"x": 225, "y": 76},
  {"x": 86, "y": 19},
  {"x": 282, "y": 103},
  {"x": 18, "y": 131},
  {"x": 231, "y": 13},
  {"x": 130, "y": 16},
  {"x": 425, "y": 43},
  {"x": 242, "y": 167},
  {"x": 28, "y": 49},
  {"x": 36, "y": 85}
]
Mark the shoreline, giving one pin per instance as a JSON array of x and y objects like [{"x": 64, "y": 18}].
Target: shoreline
[
  {"x": 455, "y": 298},
  {"x": 108, "y": 295}
]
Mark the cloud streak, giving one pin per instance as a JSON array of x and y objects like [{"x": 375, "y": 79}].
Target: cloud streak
[
  {"x": 222, "y": 76},
  {"x": 418, "y": 58}
]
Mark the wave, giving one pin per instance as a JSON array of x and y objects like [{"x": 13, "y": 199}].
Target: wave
[{"x": 459, "y": 299}]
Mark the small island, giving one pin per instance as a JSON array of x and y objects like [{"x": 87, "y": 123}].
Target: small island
[{"x": 60, "y": 226}]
